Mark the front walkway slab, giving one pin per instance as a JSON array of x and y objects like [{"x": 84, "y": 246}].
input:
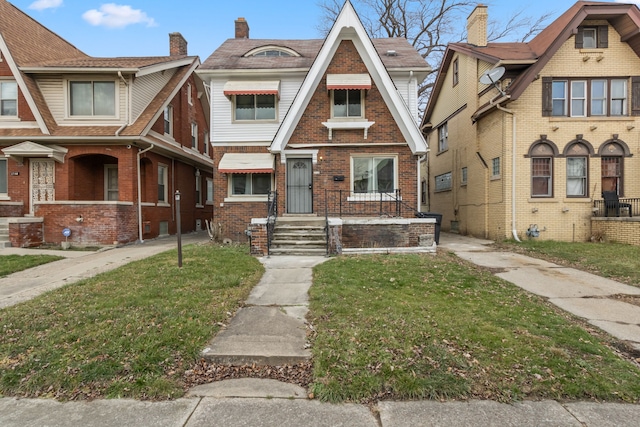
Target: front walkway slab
[{"x": 249, "y": 387}]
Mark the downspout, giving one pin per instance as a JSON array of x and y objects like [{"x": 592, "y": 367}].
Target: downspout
[
  {"x": 513, "y": 171},
  {"x": 419, "y": 193},
  {"x": 121, "y": 128},
  {"x": 140, "y": 193}
]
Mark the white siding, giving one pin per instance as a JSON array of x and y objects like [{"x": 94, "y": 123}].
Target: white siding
[
  {"x": 408, "y": 90},
  {"x": 145, "y": 89},
  {"x": 54, "y": 89},
  {"x": 223, "y": 129}
]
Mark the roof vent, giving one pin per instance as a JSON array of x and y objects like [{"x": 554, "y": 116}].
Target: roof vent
[{"x": 392, "y": 53}]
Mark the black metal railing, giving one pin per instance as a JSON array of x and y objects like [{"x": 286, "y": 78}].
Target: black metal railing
[
  {"x": 272, "y": 216},
  {"x": 341, "y": 203},
  {"x": 623, "y": 208}
]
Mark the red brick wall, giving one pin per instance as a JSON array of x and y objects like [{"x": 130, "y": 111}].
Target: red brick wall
[
  {"x": 26, "y": 235},
  {"x": 102, "y": 224}
]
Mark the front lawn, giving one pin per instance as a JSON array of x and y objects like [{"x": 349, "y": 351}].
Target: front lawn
[
  {"x": 434, "y": 327},
  {"x": 612, "y": 260},
  {"x": 14, "y": 263},
  {"x": 131, "y": 332}
]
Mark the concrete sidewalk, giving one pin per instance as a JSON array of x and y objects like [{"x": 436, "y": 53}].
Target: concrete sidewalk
[
  {"x": 282, "y": 295},
  {"x": 257, "y": 412},
  {"x": 78, "y": 265}
]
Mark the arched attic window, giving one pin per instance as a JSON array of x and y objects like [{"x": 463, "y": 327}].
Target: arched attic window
[{"x": 271, "y": 51}]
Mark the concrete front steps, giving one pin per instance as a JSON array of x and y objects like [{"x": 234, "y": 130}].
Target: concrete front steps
[
  {"x": 4, "y": 234},
  {"x": 299, "y": 235}
]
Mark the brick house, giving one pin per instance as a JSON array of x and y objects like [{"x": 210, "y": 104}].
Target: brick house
[
  {"x": 330, "y": 126},
  {"x": 97, "y": 146},
  {"x": 530, "y": 155}
]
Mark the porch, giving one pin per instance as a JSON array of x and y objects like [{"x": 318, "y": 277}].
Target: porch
[
  {"x": 616, "y": 220},
  {"x": 353, "y": 223}
]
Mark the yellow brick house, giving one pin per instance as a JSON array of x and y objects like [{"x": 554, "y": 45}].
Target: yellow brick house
[{"x": 525, "y": 137}]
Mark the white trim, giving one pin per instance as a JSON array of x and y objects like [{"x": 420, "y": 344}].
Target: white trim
[
  {"x": 305, "y": 154},
  {"x": 349, "y": 27},
  {"x": 23, "y": 86},
  {"x": 348, "y": 124},
  {"x": 257, "y": 50}
]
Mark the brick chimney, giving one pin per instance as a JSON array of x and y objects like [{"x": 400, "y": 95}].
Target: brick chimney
[
  {"x": 177, "y": 45},
  {"x": 242, "y": 29},
  {"x": 477, "y": 26}
]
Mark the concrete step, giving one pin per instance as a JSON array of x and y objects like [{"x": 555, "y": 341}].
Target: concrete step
[{"x": 309, "y": 251}]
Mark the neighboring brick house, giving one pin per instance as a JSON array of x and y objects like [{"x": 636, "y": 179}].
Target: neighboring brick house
[
  {"x": 98, "y": 145},
  {"x": 310, "y": 117},
  {"x": 536, "y": 150}
]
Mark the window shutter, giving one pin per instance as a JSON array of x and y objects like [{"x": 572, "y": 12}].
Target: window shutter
[
  {"x": 579, "y": 38},
  {"x": 603, "y": 36},
  {"x": 635, "y": 96},
  {"x": 547, "y": 101}
]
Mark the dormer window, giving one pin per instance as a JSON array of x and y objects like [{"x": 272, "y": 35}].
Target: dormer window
[
  {"x": 8, "y": 99},
  {"x": 92, "y": 98},
  {"x": 347, "y": 95},
  {"x": 271, "y": 51},
  {"x": 592, "y": 37}
]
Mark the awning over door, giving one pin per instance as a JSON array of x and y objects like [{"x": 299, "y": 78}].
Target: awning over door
[
  {"x": 30, "y": 149},
  {"x": 348, "y": 81},
  {"x": 246, "y": 163},
  {"x": 271, "y": 87}
]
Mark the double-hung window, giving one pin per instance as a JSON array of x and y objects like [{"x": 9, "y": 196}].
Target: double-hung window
[
  {"x": 374, "y": 174},
  {"x": 92, "y": 98},
  {"x": 585, "y": 97},
  {"x": 168, "y": 120},
  {"x": 347, "y": 103},
  {"x": 443, "y": 137},
  {"x": 194, "y": 136},
  {"x": 576, "y": 176},
  {"x": 255, "y": 107},
  {"x": 3, "y": 178},
  {"x": 246, "y": 184},
  {"x": 8, "y": 99},
  {"x": 111, "y": 182},
  {"x": 163, "y": 184}
]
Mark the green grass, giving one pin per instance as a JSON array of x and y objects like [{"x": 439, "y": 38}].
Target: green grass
[
  {"x": 131, "y": 332},
  {"x": 612, "y": 260},
  {"x": 14, "y": 263},
  {"x": 432, "y": 327}
]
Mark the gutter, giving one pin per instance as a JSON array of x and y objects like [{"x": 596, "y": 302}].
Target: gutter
[
  {"x": 513, "y": 167},
  {"x": 140, "y": 192}
]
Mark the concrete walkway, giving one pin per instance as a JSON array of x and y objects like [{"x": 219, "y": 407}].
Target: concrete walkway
[
  {"x": 583, "y": 294},
  {"x": 280, "y": 299}
]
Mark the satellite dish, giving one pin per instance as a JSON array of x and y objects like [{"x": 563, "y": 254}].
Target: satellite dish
[{"x": 492, "y": 77}]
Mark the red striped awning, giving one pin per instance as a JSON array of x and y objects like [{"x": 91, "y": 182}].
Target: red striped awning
[
  {"x": 246, "y": 163},
  {"x": 255, "y": 87},
  {"x": 348, "y": 81}
]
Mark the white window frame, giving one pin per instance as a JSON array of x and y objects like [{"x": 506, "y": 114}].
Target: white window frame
[
  {"x": 189, "y": 94},
  {"x": 374, "y": 194},
  {"x": 443, "y": 137},
  {"x": 194, "y": 135},
  {"x": 107, "y": 188},
  {"x": 231, "y": 197},
  {"x": 209, "y": 191},
  {"x": 165, "y": 183},
  {"x": 562, "y": 98},
  {"x": 623, "y": 99},
  {"x": 255, "y": 108},
  {"x": 582, "y": 100},
  {"x": 69, "y": 84},
  {"x": 6, "y": 82},
  {"x": 168, "y": 120},
  {"x": 347, "y": 116},
  {"x": 206, "y": 142}
]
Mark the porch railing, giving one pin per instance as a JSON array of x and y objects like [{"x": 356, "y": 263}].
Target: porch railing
[
  {"x": 341, "y": 203},
  {"x": 272, "y": 216},
  {"x": 600, "y": 209}
]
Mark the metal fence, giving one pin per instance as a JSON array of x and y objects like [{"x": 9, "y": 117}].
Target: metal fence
[
  {"x": 272, "y": 216},
  {"x": 622, "y": 208},
  {"x": 341, "y": 203}
]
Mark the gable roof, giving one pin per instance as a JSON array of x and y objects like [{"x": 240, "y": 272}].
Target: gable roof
[
  {"x": 526, "y": 60},
  {"x": 348, "y": 27}
]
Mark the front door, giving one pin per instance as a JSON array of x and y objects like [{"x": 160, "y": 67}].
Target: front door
[
  {"x": 42, "y": 181},
  {"x": 299, "y": 186}
]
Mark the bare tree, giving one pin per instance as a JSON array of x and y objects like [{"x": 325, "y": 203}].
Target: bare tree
[{"x": 429, "y": 25}]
